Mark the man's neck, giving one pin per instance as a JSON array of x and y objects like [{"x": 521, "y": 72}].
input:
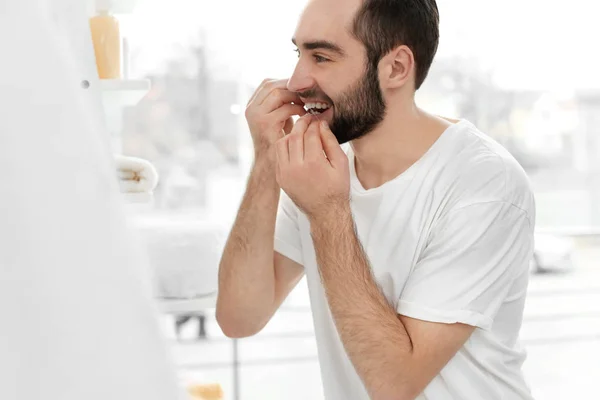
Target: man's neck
[{"x": 399, "y": 141}]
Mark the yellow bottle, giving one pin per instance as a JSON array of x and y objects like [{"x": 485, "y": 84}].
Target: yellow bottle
[
  {"x": 206, "y": 392},
  {"x": 106, "y": 36}
]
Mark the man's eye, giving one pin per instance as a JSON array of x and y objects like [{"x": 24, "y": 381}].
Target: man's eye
[
  {"x": 320, "y": 59},
  {"x": 297, "y": 52}
]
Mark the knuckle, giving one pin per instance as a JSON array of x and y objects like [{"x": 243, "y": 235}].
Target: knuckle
[
  {"x": 265, "y": 81},
  {"x": 254, "y": 115},
  {"x": 269, "y": 83},
  {"x": 277, "y": 94}
]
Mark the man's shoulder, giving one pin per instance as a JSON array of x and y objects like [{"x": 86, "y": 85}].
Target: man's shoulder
[{"x": 482, "y": 170}]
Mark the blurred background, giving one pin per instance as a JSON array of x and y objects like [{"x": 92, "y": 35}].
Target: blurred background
[{"x": 524, "y": 71}]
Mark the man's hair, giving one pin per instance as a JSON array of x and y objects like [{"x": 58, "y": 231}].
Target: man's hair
[{"x": 382, "y": 25}]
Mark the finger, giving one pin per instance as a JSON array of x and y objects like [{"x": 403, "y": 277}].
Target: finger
[
  {"x": 258, "y": 90},
  {"x": 296, "y": 145},
  {"x": 313, "y": 148},
  {"x": 302, "y": 124},
  {"x": 332, "y": 148},
  {"x": 267, "y": 88},
  {"x": 281, "y": 148},
  {"x": 285, "y": 112},
  {"x": 278, "y": 97}
]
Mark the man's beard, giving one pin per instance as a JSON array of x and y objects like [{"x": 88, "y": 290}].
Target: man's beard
[{"x": 360, "y": 109}]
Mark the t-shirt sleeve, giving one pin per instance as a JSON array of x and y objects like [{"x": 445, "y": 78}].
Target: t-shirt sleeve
[
  {"x": 287, "y": 231},
  {"x": 473, "y": 256}
]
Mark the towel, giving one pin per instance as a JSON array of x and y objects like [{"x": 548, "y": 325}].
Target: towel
[{"x": 136, "y": 175}]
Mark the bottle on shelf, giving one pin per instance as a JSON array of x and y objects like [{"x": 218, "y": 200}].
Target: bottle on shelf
[
  {"x": 206, "y": 392},
  {"x": 106, "y": 37}
]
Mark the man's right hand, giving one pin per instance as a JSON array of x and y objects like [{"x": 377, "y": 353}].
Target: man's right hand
[{"x": 269, "y": 114}]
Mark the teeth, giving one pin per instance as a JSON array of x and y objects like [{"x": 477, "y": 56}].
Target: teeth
[{"x": 318, "y": 106}]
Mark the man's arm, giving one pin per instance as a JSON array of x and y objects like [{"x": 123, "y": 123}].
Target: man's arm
[
  {"x": 395, "y": 356},
  {"x": 253, "y": 279}
]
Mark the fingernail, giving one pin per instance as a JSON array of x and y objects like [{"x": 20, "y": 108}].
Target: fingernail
[{"x": 324, "y": 125}]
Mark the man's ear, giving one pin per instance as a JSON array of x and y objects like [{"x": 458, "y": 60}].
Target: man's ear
[{"x": 397, "y": 68}]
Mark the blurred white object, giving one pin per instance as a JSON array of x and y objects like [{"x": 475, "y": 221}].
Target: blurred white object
[
  {"x": 78, "y": 319},
  {"x": 552, "y": 253},
  {"x": 116, "y": 95},
  {"x": 117, "y": 6},
  {"x": 126, "y": 58},
  {"x": 136, "y": 175},
  {"x": 184, "y": 253}
]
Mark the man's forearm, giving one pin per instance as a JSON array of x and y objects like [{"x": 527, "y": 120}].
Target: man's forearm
[
  {"x": 374, "y": 338},
  {"x": 246, "y": 272}
]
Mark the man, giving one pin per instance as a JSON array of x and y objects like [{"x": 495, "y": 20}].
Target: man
[
  {"x": 78, "y": 321},
  {"x": 415, "y": 242}
]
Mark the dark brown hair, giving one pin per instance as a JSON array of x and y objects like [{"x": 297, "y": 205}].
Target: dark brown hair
[{"x": 382, "y": 25}]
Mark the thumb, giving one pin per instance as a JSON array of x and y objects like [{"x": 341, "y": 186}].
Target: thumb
[{"x": 332, "y": 148}]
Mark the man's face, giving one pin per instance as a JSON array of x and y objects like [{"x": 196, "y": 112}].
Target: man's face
[{"x": 331, "y": 76}]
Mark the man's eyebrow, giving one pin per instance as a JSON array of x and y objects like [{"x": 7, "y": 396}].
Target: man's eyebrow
[{"x": 321, "y": 44}]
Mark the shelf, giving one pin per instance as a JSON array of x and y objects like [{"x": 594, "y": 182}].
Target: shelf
[
  {"x": 183, "y": 306},
  {"x": 125, "y": 85},
  {"x": 119, "y": 93}
]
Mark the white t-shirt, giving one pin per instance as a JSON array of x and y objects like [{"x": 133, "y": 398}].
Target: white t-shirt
[{"x": 449, "y": 240}]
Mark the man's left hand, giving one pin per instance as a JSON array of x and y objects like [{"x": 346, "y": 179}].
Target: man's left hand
[{"x": 313, "y": 169}]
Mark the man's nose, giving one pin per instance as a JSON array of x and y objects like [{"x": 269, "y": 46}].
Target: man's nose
[{"x": 301, "y": 80}]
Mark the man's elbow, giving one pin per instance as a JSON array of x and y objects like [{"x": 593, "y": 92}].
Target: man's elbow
[
  {"x": 394, "y": 391},
  {"x": 235, "y": 328},
  {"x": 236, "y": 333}
]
